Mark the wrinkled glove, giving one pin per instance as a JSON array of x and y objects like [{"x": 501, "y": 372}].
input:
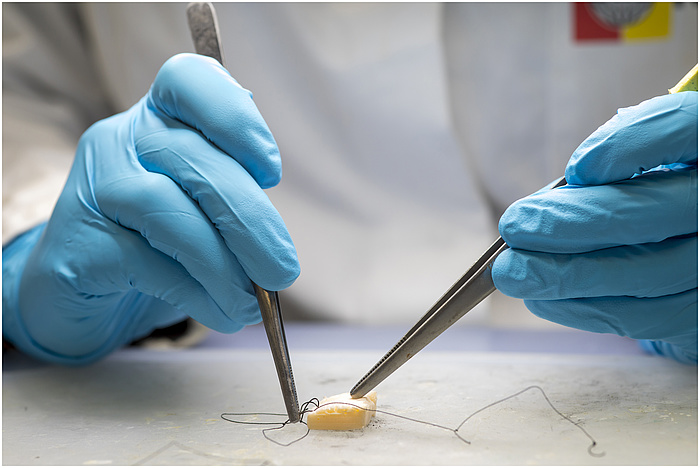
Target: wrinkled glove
[
  {"x": 616, "y": 250},
  {"x": 163, "y": 215}
]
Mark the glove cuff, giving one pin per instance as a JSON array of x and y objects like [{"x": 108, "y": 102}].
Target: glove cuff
[{"x": 14, "y": 257}]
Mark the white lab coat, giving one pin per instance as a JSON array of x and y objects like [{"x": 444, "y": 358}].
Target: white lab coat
[{"x": 405, "y": 129}]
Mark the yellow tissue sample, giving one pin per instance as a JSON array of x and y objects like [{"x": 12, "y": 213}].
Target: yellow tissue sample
[{"x": 343, "y": 413}]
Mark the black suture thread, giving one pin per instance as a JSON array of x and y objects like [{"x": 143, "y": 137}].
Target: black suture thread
[{"x": 306, "y": 408}]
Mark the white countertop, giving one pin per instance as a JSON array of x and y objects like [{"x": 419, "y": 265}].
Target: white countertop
[{"x": 163, "y": 407}]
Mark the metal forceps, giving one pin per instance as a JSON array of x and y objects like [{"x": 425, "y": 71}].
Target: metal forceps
[
  {"x": 472, "y": 288},
  {"x": 203, "y": 25}
]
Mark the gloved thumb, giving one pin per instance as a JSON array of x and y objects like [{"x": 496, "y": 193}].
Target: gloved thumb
[{"x": 660, "y": 131}]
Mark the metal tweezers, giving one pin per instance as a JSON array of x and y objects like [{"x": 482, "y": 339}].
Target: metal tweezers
[
  {"x": 467, "y": 292},
  {"x": 203, "y": 24},
  {"x": 472, "y": 288}
]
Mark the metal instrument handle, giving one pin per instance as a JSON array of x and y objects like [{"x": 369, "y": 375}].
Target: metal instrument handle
[
  {"x": 203, "y": 24},
  {"x": 472, "y": 288}
]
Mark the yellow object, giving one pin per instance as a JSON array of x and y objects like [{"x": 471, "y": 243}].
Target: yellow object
[
  {"x": 343, "y": 413},
  {"x": 656, "y": 24},
  {"x": 688, "y": 83}
]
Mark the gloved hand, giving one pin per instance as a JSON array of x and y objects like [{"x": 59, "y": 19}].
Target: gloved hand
[
  {"x": 163, "y": 215},
  {"x": 616, "y": 250}
]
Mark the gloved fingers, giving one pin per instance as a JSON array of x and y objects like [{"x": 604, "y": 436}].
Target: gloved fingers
[
  {"x": 548, "y": 187},
  {"x": 662, "y": 130},
  {"x": 153, "y": 313},
  {"x": 574, "y": 219},
  {"x": 94, "y": 306},
  {"x": 172, "y": 223},
  {"x": 673, "y": 319},
  {"x": 644, "y": 270},
  {"x": 199, "y": 92},
  {"x": 231, "y": 200},
  {"x": 156, "y": 274}
]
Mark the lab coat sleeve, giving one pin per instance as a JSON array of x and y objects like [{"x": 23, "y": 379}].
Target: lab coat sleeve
[
  {"x": 524, "y": 92},
  {"x": 51, "y": 93}
]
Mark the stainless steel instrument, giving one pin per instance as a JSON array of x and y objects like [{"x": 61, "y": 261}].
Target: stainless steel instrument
[
  {"x": 472, "y": 288},
  {"x": 203, "y": 25}
]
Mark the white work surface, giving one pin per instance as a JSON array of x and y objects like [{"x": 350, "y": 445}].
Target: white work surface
[{"x": 163, "y": 408}]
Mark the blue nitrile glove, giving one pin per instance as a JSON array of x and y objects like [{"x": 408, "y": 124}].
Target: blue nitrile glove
[
  {"x": 616, "y": 250},
  {"x": 163, "y": 215}
]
